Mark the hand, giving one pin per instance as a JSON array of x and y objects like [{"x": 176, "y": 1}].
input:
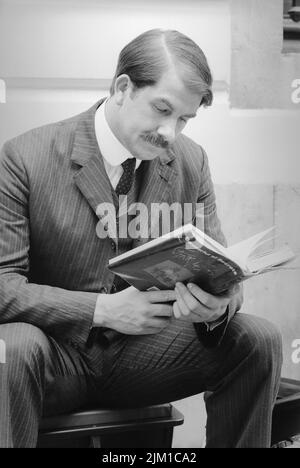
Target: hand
[
  {"x": 195, "y": 305},
  {"x": 133, "y": 312}
]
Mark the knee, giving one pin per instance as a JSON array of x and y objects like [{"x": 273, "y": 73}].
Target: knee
[
  {"x": 23, "y": 343},
  {"x": 259, "y": 339}
]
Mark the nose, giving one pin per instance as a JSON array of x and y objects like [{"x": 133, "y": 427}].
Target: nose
[{"x": 168, "y": 132}]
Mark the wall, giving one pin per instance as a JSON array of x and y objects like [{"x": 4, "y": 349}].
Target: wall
[
  {"x": 261, "y": 75},
  {"x": 84, "y": 31},
  {"x": 57, "y": 58}
]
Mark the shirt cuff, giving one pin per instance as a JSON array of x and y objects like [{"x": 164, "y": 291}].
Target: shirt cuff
[{"x": 216, "y": 323}]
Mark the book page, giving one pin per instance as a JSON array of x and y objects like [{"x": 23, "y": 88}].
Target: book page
[
  {"x": 278, "y": 257},
  {"x": 241, "y": 251}
]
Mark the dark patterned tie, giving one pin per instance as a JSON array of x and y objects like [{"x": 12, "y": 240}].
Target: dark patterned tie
[
  {"x": 123, "y": 188},
  {"x": 127, "y": 177}
]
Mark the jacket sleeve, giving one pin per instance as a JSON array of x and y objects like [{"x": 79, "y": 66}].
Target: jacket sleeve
[
  {"x": 66, "y": 315},
  {"x": 212, "y": 227}
]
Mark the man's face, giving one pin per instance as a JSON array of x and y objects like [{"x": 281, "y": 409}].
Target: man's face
[{"x": 151, "y": 118}]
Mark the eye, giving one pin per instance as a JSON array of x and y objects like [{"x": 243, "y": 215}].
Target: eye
[{"x": 161, "y": 110}]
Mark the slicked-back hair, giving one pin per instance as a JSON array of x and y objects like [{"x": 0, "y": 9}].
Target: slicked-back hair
[{"x": 150, "y": 54}]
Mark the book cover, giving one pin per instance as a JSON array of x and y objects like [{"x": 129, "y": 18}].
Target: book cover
[{"x": 188, "y": 255}]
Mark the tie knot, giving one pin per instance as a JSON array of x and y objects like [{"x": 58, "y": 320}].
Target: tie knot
[{"x": 129, "y": 165}]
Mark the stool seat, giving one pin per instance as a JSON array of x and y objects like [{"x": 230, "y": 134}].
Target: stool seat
[{"x": 95, "y": 426}]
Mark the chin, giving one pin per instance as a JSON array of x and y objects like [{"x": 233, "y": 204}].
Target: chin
[{"x": 147, "y": 152}]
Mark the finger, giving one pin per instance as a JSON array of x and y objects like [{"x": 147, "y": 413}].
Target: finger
[
  {"x": 159, "y": 323},
  {"x": 162, "y": 310},
  {"x": 186, "y": 301},
  {"x": 176, "y": 310},
  {"x": 234, "y": 289},
  {"x": 206, "y": 299},
  {"x": 191, "y": 302},
  {"x": 183, "y": 308},
  {"x": 161, "y": 296},
  {"x": 202, "y": 316}
]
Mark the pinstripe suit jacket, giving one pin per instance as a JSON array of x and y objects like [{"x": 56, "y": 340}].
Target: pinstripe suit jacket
[{"x": 52, "y": 264}]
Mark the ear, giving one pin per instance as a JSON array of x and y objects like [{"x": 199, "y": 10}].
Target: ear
[{"x": 123, "y": 87}]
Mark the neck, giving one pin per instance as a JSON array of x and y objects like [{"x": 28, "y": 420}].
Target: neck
[{"x": 111, "y": 115}]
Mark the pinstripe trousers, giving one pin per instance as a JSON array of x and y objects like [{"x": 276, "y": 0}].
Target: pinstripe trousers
[{"x": 240, "y": 377}]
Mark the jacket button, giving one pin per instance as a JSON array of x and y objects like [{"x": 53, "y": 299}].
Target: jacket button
[{"x": 113, "y": 245}]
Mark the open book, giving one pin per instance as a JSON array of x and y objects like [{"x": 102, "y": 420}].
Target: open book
[{"x": 189, "y": 255}]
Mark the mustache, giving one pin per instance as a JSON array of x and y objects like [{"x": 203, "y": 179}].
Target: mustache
[{"x": 156, "y": 140}]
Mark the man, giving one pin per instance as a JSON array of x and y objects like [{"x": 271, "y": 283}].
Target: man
[{"x": 74, "y": 333}]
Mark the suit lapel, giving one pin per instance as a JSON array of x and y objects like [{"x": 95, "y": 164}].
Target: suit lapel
[
  {"x": 91, "y": 179},
  {"x": 158, "y": 183}
]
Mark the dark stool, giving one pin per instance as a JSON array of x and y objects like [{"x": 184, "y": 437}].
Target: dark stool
[
  {"x": 150, "y": 426},
  {"x": 286, "y": 414}
]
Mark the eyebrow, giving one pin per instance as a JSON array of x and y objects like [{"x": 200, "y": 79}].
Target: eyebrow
[{"x": 165, "y": 101}]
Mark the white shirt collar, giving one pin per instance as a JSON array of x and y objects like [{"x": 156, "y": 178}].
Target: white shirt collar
[{"x": 110, "y": 147}]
